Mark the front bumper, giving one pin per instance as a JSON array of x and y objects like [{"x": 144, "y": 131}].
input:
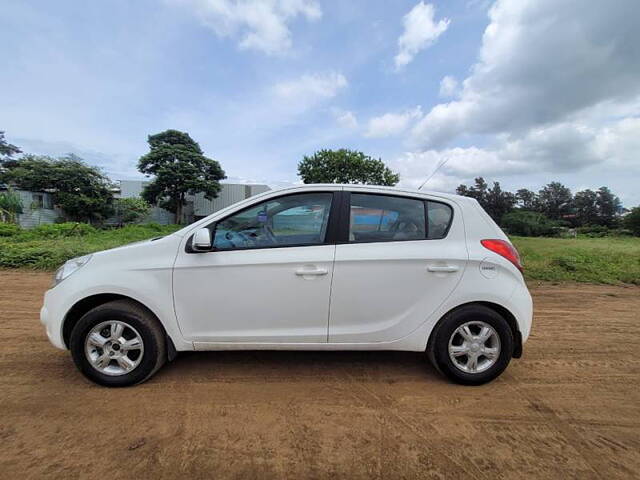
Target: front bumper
[{"x": 52, "y": 315}]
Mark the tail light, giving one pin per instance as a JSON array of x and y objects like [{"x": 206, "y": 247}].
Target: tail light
[{"x": 504, "y": 249}]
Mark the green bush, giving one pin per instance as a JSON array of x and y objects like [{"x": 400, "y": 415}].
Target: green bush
[
  {"x": 9, "y": 229},
  {"x": 632, "y": 221},
  {"x": 529, "y": 224},
  {"x": 48, "y": 246},
  {"x": 593, "y": 231},
  {"x": 62, "y": 230}
]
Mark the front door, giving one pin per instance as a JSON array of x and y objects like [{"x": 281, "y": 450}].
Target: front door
[{"x": 268, "y": 278}]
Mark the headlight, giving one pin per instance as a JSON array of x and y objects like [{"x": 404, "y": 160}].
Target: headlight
[{"x": 68, "y": 268}]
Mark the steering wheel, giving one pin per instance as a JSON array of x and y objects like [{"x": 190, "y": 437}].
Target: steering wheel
[{"x": 229, "y": 236}]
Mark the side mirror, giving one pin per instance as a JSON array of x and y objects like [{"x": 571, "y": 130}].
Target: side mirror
[{"x": 202, "y": 240}]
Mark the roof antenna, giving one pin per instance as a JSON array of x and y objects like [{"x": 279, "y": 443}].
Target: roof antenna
[{"x": 433, "y": 173}]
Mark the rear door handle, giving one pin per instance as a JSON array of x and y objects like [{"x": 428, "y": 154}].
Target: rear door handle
[
  {"x": 443, "y": 268},
  {"x": 318, "y": 271}
]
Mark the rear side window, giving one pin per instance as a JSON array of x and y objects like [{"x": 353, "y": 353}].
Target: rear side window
[
  {"x": 439, "y": 217},
  {"x": 380, "y": 218}
]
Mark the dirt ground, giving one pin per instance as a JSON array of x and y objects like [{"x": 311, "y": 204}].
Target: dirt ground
[{"x": 570, "y": 408}]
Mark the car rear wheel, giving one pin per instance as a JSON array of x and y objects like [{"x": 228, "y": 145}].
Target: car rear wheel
[
  {"x": 471, "y": 345},
  {"x": 118, "y": 344}
]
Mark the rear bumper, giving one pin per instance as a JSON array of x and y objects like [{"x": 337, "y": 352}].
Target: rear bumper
[{"x": 522, "y": 307}]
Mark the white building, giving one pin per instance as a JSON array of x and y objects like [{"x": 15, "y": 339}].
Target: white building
[{"x": 197, "y": 206}]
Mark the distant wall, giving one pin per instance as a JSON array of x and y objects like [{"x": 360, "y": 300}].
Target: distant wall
[{"x": 37, "y": 209}]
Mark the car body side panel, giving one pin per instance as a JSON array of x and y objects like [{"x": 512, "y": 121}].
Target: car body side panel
[
  {"x": 382, "y": 291},
  {"x": 141, "y": 271}
]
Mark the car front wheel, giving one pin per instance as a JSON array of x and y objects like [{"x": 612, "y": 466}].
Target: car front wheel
[
  {"x": 118, "y": 344},
  {"x": 472, "y": 345}
]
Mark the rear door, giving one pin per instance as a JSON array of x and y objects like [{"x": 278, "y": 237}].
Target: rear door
[{"x": 399, "y": 259}]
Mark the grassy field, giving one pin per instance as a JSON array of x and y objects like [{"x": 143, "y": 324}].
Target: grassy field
[
  {"x": 49, "y": 246},
  {"x": 611, "y": 260}
]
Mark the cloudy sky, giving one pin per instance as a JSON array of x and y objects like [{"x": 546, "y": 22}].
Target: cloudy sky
[{"x": 520, "y": 91}]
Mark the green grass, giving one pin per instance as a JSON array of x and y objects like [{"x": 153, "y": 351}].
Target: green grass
[
  {"x": 612, "y": 260},
  {"x": 49, "y": 246}
]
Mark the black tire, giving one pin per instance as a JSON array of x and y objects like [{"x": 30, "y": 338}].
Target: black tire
[
  {"x": 438, "y": 348},
  {"x": 153, "y": 356}
]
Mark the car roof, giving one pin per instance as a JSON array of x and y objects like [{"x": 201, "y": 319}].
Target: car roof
[{"x": 372, "y": 188}]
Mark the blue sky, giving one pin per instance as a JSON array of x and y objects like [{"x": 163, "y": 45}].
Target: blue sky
[{"x": 520, "y": 91}]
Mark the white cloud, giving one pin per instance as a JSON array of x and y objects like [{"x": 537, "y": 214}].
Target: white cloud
[
  {"x": 563, "y": 148},
  {"x": 448, "y": 86},
  {"x": 392, "y": 123},
  {"x": 311, "y": 87},
  {"x": 541, "y": 62},
  {"x": 420, "y": 31},
  {"x": 347, "y": 120},
  {"x": 261, "y": 24}
]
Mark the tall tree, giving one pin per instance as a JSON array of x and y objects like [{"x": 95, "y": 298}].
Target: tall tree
[
  {"x": 585, "y": 207},
  {"x": 6, "y": 149},
  {"x": 499, "y": 202},
  {"x": 632, "y": 221},
  {"x": 478, "y": 190},
  {"x": 82, "y": 191},
  {"x": 179, "y": 168},
  {"x": 345, "y": 166},
  {"x": 527, "y": 200},
  {"x": 494, "y": 200},
  {"x": 608, "y": 205},
  {"x": 555, "y": 200}
]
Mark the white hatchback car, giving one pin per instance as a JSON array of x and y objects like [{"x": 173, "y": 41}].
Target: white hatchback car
[{"x": 314, "y": 267}]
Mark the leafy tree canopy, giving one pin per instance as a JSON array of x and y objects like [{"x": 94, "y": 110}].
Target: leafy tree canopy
[
  {"x": 345, "y": 166},
  {"x": 555, "y": 200},
  {"x": 131, "y": 210},
  {"x": 494, "y": 200},
  {"x": 632, "y": 221},
  {"x": 82, "y": 191},
  {"x": 6, "y": 149},
  {"x": 179, "y": 168}
]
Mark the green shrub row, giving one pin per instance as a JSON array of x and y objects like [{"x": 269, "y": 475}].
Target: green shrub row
[{"x": 48, "y": 246}]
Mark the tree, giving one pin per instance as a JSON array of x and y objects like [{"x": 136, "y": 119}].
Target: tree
[
  {"x": 555, "y": 200},
  {"x": 6, "y": 149},
  {"x": 528, "y": 224},
  {"x": 477, "y": 191},
  {"x": 180, "y": 169},
  {"x": 499, "y": 202},
  {"x": 527, "y": 200},
  {"x": 632, "y": 221},
  {"x": 10, "y": 206},
  {"x": 83, "y": 192},
  {"x": 131, "y": 210},
  {"x": 586, "y": 210},
  {"x": 345, "y": 166},
  {"x": 494, "y": 200},
  {"x": 608, "y": 207}
]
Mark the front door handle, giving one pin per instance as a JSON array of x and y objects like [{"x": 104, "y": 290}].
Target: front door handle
[
  {"x": 443, "y": 268},
  {"x": 317, "y": 271}
]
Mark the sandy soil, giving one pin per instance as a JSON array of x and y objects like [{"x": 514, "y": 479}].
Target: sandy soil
[{"x": 570, "y": 408}]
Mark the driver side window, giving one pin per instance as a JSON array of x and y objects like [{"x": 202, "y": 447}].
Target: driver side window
[{"x": 292, "y": 220}]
